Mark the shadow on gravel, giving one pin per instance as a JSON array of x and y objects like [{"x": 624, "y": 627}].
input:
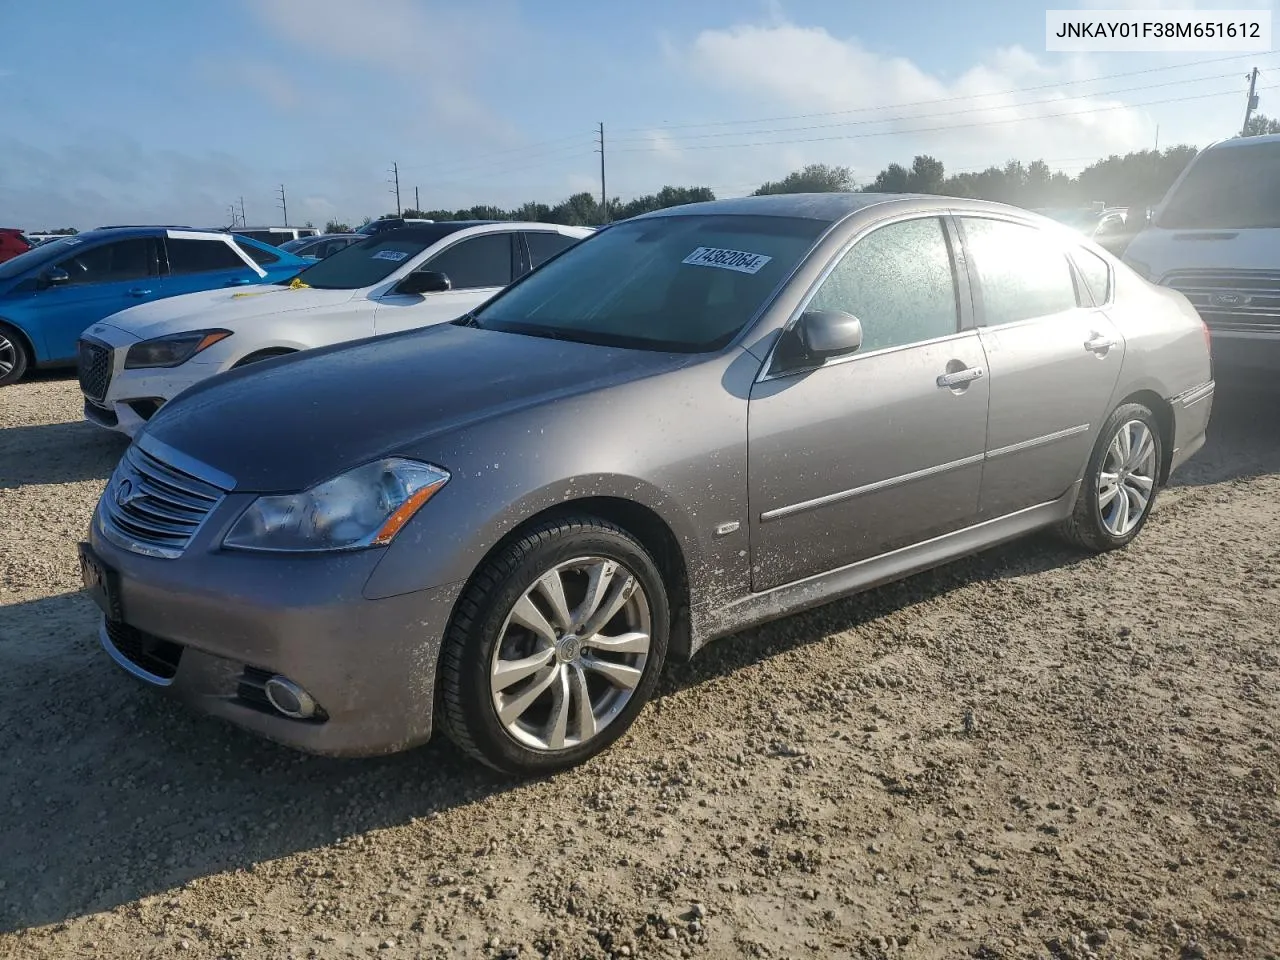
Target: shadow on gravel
[
  {"x": 51, "y": 453},
  {"x": 111, "y": 792}
]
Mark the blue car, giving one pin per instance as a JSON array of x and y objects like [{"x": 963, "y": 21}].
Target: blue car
[{"x": 52, "y": 293}]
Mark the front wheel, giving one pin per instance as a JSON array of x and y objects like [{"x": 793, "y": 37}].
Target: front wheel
[
  {"x": 554, "y": 647},
  {"x": 14, "y": 359},
  {"x": 1120, "y": 483}
]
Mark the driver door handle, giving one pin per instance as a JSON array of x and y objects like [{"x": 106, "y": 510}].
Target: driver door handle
[
  {"x": 960, "y": 377},
  {"x": 139, "y": 292},
  {"x": 1099, "y": 344}
]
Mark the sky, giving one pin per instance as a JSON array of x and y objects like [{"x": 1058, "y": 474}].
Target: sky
[{"x": 144, "y": 111}]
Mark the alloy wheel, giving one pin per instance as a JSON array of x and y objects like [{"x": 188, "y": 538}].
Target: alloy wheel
[
  {"x": 1127, "y": 479},
  {"x": 571, "y": 653},
  {"x": 8, "y": 356}
]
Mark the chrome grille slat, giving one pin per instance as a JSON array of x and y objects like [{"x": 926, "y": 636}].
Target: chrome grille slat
[
  {"x": 1257, "y": 293},
  {"x": 149, "y": 507}
]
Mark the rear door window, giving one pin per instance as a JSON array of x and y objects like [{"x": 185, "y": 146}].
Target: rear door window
[
  {"x": 1022, "y": 273},
  {"x": 201, "y": 256}
]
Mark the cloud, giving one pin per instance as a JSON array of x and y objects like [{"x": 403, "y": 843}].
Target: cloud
[
  {"x": 851, "y": 105},
  {"x": 269, "y": 82},
  {"x": 435, "y": 44}
]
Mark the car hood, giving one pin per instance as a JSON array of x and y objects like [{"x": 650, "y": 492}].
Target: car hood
[
  {"x": 224, "y": 307},
  {"x": 1155, "y": 252},
  {"x": 286, "y": 424}
]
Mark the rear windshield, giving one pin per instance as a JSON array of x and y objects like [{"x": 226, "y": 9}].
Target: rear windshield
[{"x": 1228, "y": 188}]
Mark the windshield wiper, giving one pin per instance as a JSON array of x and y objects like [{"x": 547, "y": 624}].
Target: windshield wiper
[{"x": 467, "y": 320}]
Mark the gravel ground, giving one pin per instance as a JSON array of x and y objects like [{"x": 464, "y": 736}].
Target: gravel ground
[{"x": 1032, "y": 753}]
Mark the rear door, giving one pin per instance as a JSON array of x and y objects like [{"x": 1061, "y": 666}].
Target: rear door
[
  {"x": 477, "y": 267},
  {"x": 203, "y": 263},
  {"x": 102, "y": 279},
  {"x": 1055, "y": 359}
]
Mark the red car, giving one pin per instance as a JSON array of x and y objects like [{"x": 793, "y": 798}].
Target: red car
[{"x": 12, "y": 243}]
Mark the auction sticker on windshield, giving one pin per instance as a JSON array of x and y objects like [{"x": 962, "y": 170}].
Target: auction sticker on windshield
[
  {"x": 394, "y": 255},
  {"x": 739, "y": 260}
]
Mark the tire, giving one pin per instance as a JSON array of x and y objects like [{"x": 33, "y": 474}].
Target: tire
[
  {"x": 482, "y": 634},
  {"x": 260, "y": 355},
  {"x": 14, "y": 356},
  {"x": 1094, "y": 524}
]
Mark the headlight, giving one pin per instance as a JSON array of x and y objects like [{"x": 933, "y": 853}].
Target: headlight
[
  {"x": 364, "y": 507},
  {"x": 173, "y": 350}
]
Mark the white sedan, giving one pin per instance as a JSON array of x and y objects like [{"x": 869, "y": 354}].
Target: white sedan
[{"x": 135, "y": 360}]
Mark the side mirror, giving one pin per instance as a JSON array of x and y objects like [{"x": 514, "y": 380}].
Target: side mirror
[
  {"x": 53, "y": 277},
  {"x": 829, "y": 333},
  {"x": 425, "y": 281}
]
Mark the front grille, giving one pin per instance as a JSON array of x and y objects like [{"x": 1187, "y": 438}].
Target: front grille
[
  {"x": 94, "y": 369},
  {"x": 152, "y": 508},
  {"x": 147, "y": 652},
  {"x": 1232, "y": 300}
]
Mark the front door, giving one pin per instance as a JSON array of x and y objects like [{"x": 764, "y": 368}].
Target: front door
[
  {"x": 101, "y": 280},
  {"x": 204, "y": 263},
  {"x": 1055, "y": 360},
  {"x": 883, "y": 448},
  {"x": 477, "y": 268}
]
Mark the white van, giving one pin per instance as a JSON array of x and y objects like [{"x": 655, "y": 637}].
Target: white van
[{"x": 1215, "y": 237}]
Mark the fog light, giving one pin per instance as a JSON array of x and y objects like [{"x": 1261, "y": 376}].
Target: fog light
[{"x": 289, "y": 698}]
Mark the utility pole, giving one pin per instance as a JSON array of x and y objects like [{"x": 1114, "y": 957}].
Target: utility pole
[
  {"x": 1253, "y": 100},
  {"x": 395, "y": 173},
  {"x": 284, "y": 206},
  {"x": 231, "y": 209},
  {"x": 416, "y": 205},
  {"x": 1157, "y": 138},
  {"x": 243, "y": 221},
  {"x": 604, "y": 201}
]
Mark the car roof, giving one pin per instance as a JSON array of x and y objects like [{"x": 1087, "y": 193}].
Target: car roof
[
  {"x": 827, "y": 207},
  {"x": 1238, "y": 142},
  {"x": 432, "y": 232}
]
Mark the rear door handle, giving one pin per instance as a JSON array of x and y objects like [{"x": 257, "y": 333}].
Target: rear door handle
[
  {"x": 237, "y": 282},
  {"x": 1099, "y": 344},
  {"x": 960, "y": 377},
  {"x": 139, "y": 292}
]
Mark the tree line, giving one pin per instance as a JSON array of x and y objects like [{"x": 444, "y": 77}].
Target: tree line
[{"x": 1139, "y": 178}]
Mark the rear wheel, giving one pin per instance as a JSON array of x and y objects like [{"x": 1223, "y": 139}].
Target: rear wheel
[
  {"x": 1120, "y": 483},
  {"x": 14, "y": 357},
  {"x": 259, "y": 356},
  {"x": 554, "y": 648}
]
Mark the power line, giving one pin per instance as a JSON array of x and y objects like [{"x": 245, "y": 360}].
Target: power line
[
  {"x": 954, "y": 126},
  {"x": 926, "y": 116},
  {"x": 955, "y": 99}
]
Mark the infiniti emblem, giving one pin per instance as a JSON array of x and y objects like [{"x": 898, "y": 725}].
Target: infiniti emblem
[{"x": 125, "y": 494}]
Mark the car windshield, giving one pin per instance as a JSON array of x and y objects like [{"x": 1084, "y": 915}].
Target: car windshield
[
  {"x": 676, "y": 283},
  {"x": 362, "y": 264},
  {"x": 1228, "y": 188},
  {"x": 293, "y": 245},
  {"x": 46, "y": 253}
]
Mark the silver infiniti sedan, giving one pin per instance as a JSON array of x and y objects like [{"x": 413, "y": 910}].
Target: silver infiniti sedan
[{"x": 691, "y": 422}]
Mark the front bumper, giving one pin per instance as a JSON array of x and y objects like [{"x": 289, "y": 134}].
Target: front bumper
[
  {"x": 214, "y": 621},
  {"x": 124, "y": 400}
]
